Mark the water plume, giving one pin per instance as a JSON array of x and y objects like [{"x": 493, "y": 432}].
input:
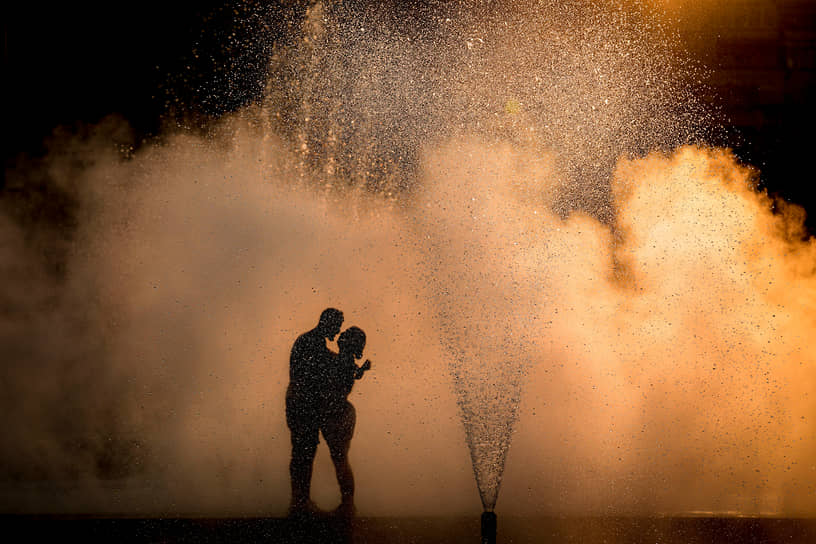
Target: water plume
[{"x": 483, "y": 292}]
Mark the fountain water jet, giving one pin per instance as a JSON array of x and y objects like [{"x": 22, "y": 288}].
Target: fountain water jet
[{"x": 485, "y": 291}]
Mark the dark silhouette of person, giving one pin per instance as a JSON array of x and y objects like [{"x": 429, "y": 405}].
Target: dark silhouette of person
[
  {"x": 340, "y": 416},
  {"x": 306, "y": 396}
]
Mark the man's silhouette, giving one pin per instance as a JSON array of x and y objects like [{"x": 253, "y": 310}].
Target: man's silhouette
[{"x": 306, "y": 396}]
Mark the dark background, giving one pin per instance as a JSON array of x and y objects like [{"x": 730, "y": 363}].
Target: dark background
[
  {"x": 762, "y": 60},
  {"x": 70, "y": 63}
]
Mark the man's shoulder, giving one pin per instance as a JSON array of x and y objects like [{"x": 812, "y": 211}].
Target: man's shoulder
[
  {"x": 307, "y": 337},
  {"x": 308, "y": 342}
]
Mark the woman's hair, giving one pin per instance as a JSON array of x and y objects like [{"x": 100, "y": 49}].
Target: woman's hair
[{"x": 353, "y": 339}]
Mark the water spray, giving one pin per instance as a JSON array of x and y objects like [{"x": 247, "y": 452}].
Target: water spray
[{"x": 489, "y": 397}]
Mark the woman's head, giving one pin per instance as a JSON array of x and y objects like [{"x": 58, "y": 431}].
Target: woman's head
[{"x": 352, "y": 340}]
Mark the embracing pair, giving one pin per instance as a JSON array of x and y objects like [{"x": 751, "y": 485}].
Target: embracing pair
[{"x": 316, "y": 402}]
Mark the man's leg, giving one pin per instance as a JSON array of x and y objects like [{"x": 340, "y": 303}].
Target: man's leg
[
  {"x": 304, "y": 432},
  {"x": 300, "y": 470}
]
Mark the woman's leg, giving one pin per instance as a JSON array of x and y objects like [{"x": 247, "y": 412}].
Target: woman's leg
[{"x": 339, "y": 441}]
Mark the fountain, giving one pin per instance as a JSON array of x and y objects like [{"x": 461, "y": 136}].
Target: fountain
[{"x": 476, "y": 83}]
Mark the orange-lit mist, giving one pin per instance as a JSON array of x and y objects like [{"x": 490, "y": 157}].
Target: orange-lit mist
[{"x": 651, "y": 357}]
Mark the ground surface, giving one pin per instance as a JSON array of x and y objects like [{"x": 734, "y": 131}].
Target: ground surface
[{"x": 665, "y": 530}]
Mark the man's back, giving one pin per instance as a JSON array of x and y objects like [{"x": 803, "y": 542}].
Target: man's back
[{"x": 308, "y": 364}]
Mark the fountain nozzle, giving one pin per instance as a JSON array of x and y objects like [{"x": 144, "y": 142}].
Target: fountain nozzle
[{"x": 488, "y": 528}]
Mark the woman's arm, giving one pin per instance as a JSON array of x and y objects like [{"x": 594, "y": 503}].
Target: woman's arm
[{"x": 359, "y": 371}]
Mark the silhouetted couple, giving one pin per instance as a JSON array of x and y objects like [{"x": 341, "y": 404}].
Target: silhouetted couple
[{"x": 316, "y": 402}]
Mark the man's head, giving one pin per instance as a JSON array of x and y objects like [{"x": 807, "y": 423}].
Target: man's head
[
  {"x": 353, "y": 339},
  {"x": 330, "y": 322}
]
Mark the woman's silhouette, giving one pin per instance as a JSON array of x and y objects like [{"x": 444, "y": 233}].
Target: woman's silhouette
[{"x": 340, "y": 416}]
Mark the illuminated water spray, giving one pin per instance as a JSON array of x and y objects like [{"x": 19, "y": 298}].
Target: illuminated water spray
[
  {"x": 489, "y": 390},
  {"x": 486, "y": 278},
  {"x": 488, "y": 373},
  {"x": 419, "y": 109}
]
